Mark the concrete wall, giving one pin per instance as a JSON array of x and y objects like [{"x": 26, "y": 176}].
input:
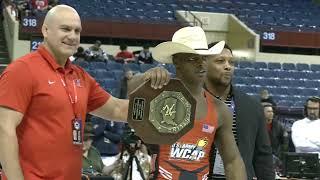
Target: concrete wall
[
  {"x": 16, "y": 48},
  {"x": 9, "y": 26},
  {"x": 243, "y": 41},
  {"x": 220, "y": 26},
  {"x": 214, "y": 24}
]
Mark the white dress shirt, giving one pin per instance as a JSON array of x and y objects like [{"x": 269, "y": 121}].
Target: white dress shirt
[{"x": 306, "y": 136}]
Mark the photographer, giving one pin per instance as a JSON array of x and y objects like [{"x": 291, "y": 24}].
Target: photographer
[{"x": 135, "y": 160}]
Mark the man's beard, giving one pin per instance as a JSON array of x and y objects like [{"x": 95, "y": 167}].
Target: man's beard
[
  {"x": 219, "y": 82},
  {"x": 312, "y": 117}
]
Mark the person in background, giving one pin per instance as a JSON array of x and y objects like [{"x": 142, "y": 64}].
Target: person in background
[
  {"x": 249, "y": 126},
  {"x": 277, "y": 134},
  {"x": 145, "y": 56},
  {"x": 107, "y": 136},
  {"x": 91, "y": 159},
  {"x": 266, "y": 98},
  {"x": 305, "y": 132},
  {"x": 80, "y": 55},
  {"x": 124, "y": 54},
  {"x": 95, "y": 53},
  {"x": 40, "y": 5}
]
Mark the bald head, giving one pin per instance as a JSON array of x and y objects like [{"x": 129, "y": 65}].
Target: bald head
[
  {"x": 57, "y": 12},
  {"x": 61, "y": 32}
]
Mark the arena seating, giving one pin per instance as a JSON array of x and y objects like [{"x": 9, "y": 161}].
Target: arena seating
[
  {"x": 289, "y": 84},
  {"x": 285, "y": 15}
]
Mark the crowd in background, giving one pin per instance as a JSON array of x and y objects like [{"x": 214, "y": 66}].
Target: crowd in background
[
  {"x": 21, "y": 8},
  {"x": 96, "y": 53}
]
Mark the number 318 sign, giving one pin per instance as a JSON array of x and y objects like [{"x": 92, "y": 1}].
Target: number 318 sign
[
  {"x": 29, "y": 22},
  {"x": 269, "y": 36}
]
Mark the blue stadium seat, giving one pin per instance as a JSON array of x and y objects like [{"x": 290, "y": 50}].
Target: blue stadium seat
[
  {"x": 111, "y": 83},
  {"x": 303, "y": 67},
  {"x": 114, "y": 66},
  {"x": 246, "y": 89},
  {"x": 298, "y": 75},
  {"x": 249, "y": 80},
  {"x": 285, "y": 103},
  {"x": 112, "y": 86},
  {"x": 311, "y": 84},
  {"x": 98, "y": 65},
  {"x": 238, "y": 80},
  {"x": 283, "y": 82},
  {"x": 260, "y": 65},
  {"x": 236, "y": 64},
  {"x": 245, "y": 64},
  {"x": 288, "y": 66},
  {"x": 297, "y": 83},
  {"x": 83, "y": 64},
  {"x": 132, "y": 66},
  {"x": 91, "y": 72},
  {"x": 273, "y": 65},
  {"x": 241, "y": 73},
  {"x": 113, "y": 91},
  {"x": 284, "y": 74},
  {"x": 266, "y": 82},
  {"x": 118, "y": 75},
  {"x": 315, "y": 67},
  {"x": 255, "y": 73},
  {"x": 314, "y": 75},
  {"x": 104, "y": 74},
  {"x": 292, "y": 91},
  {"x": 145, "y": 67},
  {"x": 270, "y": 74},
  {"x": 310, "y": 92},
  {"x": 171, "y": 68}
]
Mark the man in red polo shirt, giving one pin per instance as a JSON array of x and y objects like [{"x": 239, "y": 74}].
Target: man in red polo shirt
[{"x": 43, "y": 102}]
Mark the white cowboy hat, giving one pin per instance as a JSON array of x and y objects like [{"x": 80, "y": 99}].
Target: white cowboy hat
[{"x": 186, "y": 40}]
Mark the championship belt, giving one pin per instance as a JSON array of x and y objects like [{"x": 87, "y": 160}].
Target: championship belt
[{"x": 161, "y": 116}]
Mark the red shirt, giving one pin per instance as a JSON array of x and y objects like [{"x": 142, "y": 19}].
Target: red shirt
[
  {"x": 39, "y": 4},
  {"x": 125, "y": 55},
  {"x": 32, "y": 85},
  {"x": 269, "y": 127},
  {"x": 191, "y": 151}
]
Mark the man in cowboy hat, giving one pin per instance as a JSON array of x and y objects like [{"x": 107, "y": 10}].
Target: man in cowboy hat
[{"x": 188, "y": 158}]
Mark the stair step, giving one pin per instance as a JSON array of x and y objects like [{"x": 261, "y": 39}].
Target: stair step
[{"x": 4, "y": 60}]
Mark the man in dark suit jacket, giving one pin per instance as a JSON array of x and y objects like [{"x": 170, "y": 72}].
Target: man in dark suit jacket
[{"x": 249, "y": 125}]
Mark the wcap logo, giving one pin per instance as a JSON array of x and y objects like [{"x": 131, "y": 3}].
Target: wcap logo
[{"x": 189, "y": 151}]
